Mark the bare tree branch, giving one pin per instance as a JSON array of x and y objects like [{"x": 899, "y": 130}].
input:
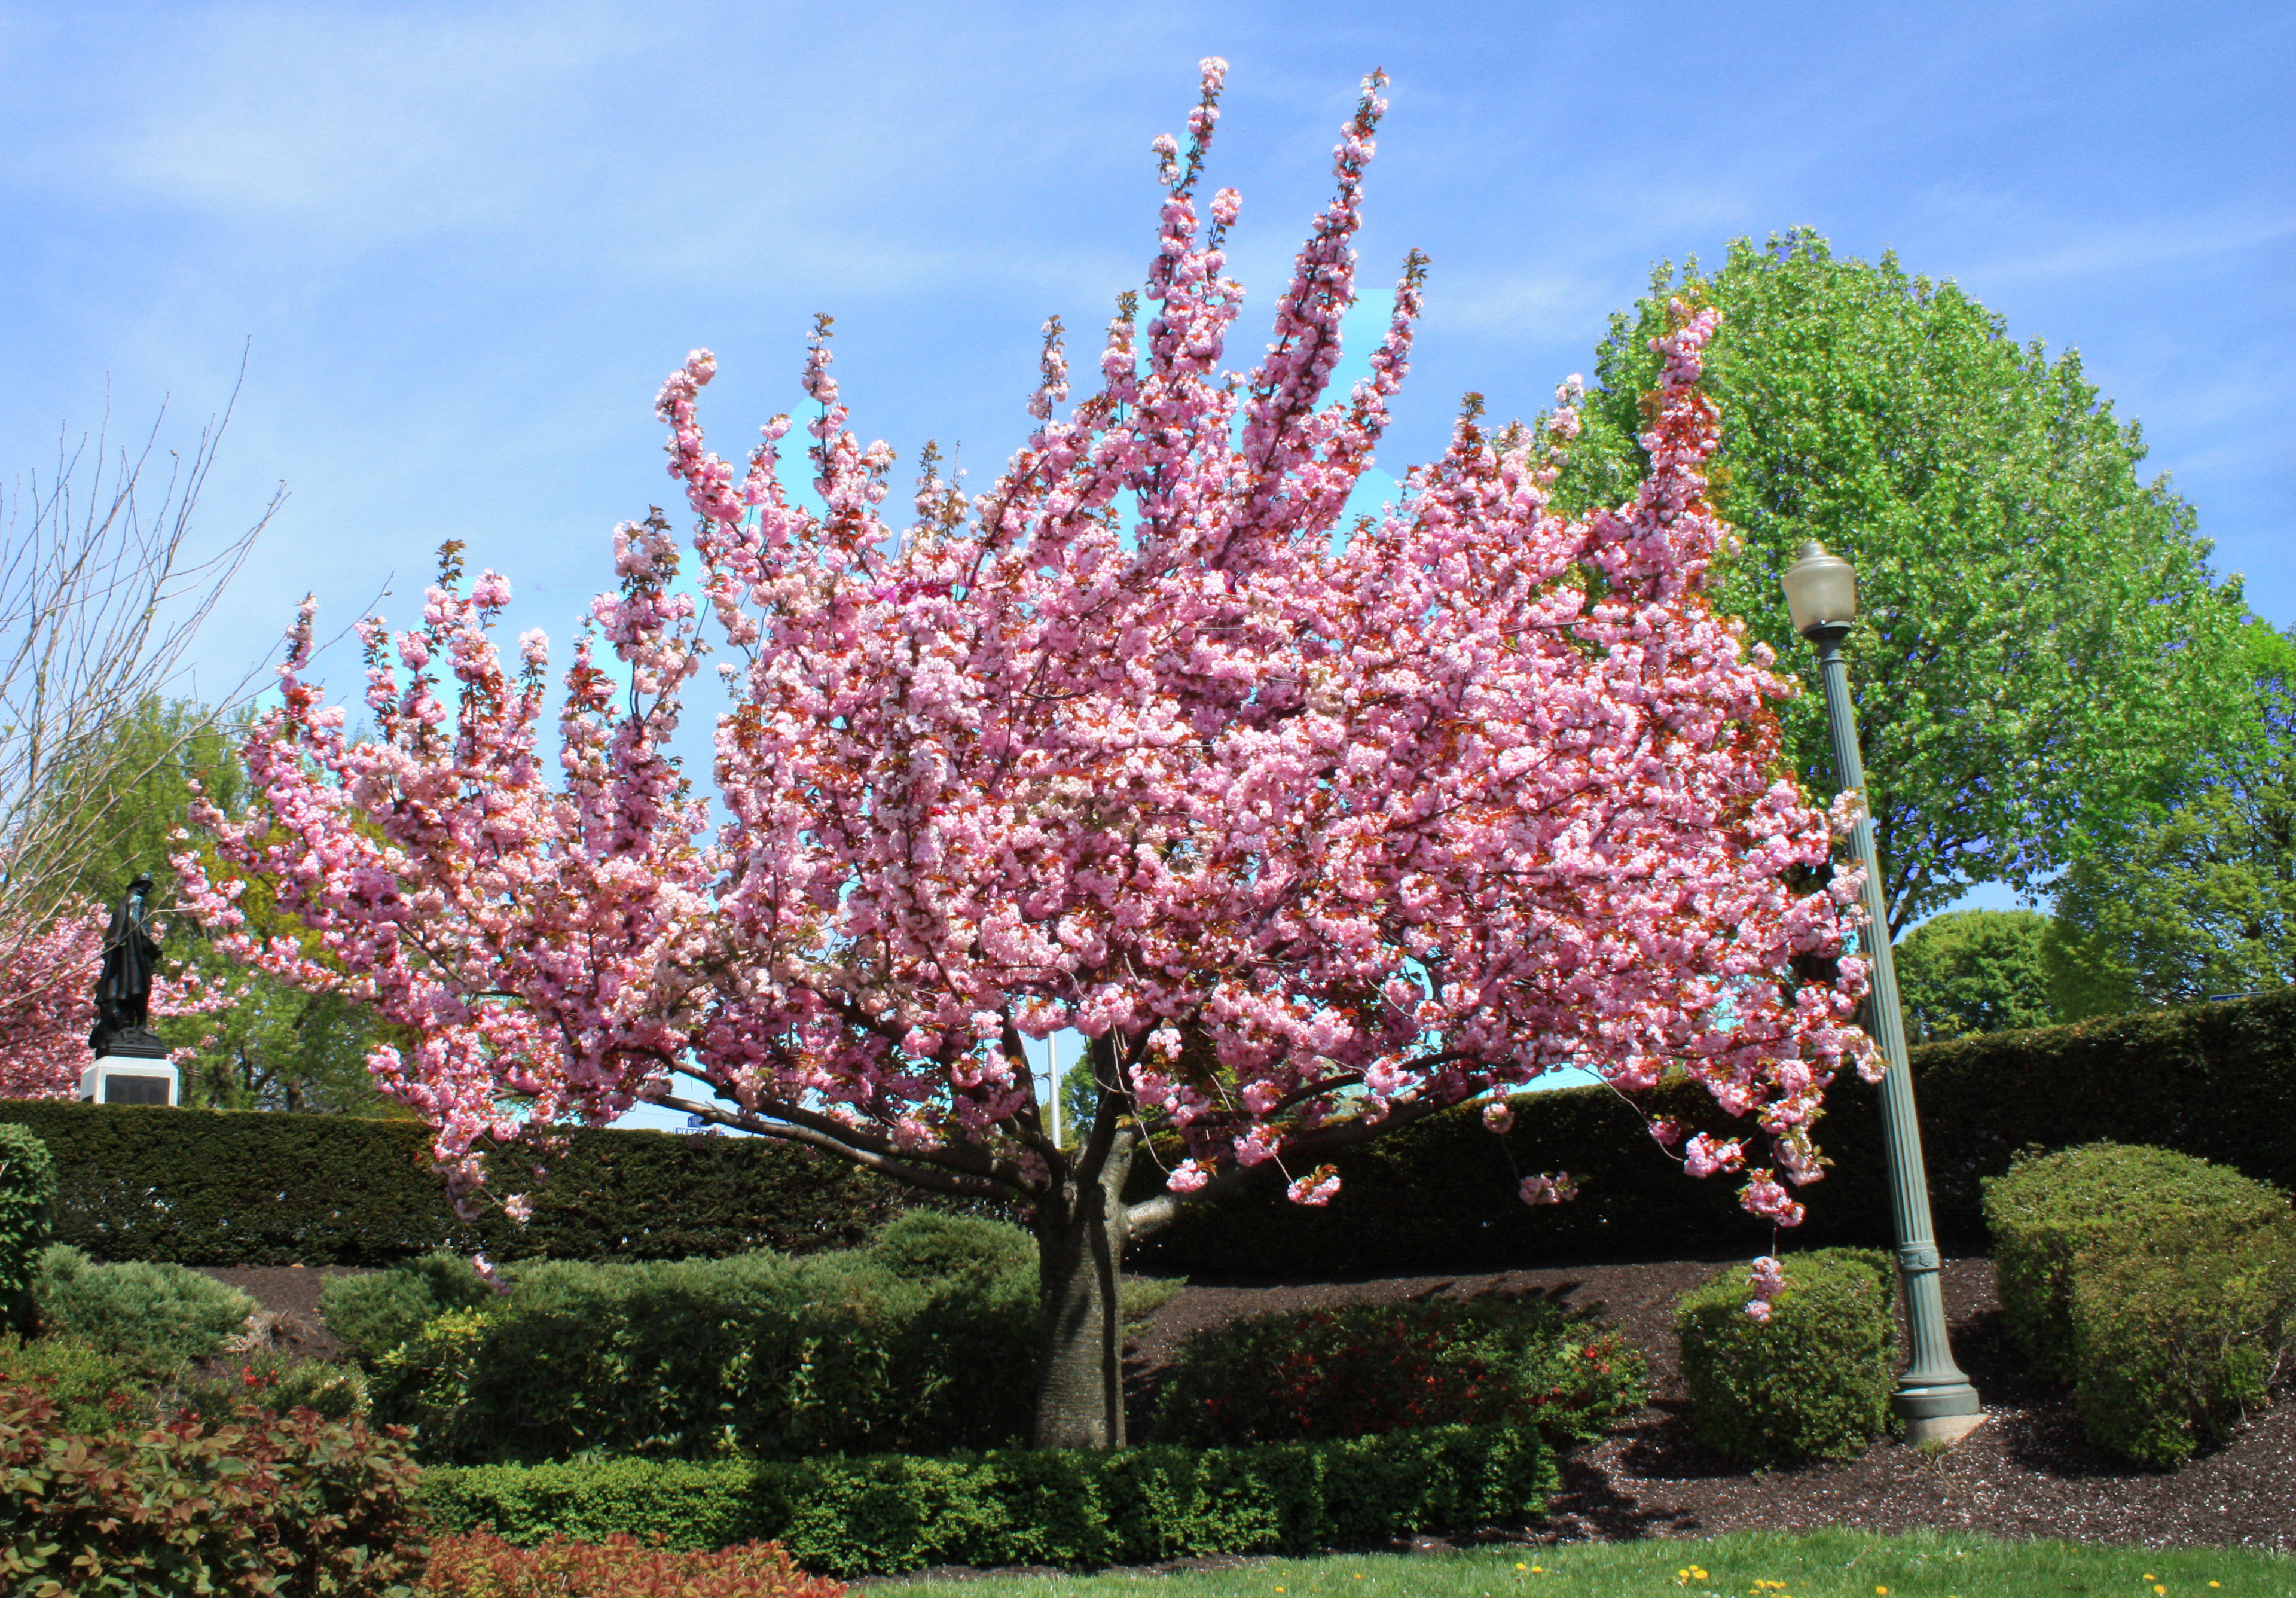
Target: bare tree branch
[{"x": 100, "y": 596}]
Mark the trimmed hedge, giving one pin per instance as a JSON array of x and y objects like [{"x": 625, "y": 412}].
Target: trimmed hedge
[
  {"x": 264, "y": 1188},
  {"x": 206, "y": 1187},
  {"x": 922, "y": 1343},
  {"x": 2217, "y": 1081},
  {"x": 1360, "y": 1369},
  {"x": 1076, "y": 1508}
]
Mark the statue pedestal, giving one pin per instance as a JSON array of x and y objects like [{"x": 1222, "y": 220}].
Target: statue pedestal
[{"x": 132, "y": 1069}]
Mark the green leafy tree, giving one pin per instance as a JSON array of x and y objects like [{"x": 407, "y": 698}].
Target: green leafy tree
[
  {"x": 1975, "y": 970},
  {"x": 274, "y": 1047},
  {"x": 2039, "y": 646},
  {"x": 2196, "y": 897}
]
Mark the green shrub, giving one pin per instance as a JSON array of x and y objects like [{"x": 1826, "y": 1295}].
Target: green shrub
[
  {"x": 924, "y": 1246},
  {"x": 151, "y": 1318},
  {"x": 2048, "y": 1211},
  {"x": 262, "y": 1505},
  {"x": 1067, "y": 1508},
  {"x": 91, "y": 1392},
  {"x": 481, "y": 1565},
  {"x": 1368, "y": 1368},
  {"x": 2178, "y": 1337},
  {"x": 372, "y": 1315},
  {"x": 279, "y": 1383},
  {"x": 1812, "y": 1383},
  {"x": 924, "y": 1347},
  {"x": 27, "y": 1203}
]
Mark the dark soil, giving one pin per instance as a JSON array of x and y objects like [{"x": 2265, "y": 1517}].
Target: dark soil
[
  {"x": 289, "y": 1322},
  {"x": 2027, "y": 1472}
]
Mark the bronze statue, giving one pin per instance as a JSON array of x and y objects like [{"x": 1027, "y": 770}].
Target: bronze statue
[{"x": 123, "y": 994}]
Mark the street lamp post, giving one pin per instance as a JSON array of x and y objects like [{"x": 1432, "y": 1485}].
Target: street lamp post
[{"x": 1933, "y": 1397}]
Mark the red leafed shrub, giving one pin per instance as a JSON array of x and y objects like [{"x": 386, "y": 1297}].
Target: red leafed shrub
[
  {"x": 261, "y": 1504},
  {"x": 482, "y": 1565},
  {"x": 1388, "y": 1367}
]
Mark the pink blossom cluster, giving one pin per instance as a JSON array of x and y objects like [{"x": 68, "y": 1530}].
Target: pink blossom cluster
[
  {"x": 1307, "y": 827},
  {"x": 47, "y": 1005},
  {"x": 1768, "y": 1279}
]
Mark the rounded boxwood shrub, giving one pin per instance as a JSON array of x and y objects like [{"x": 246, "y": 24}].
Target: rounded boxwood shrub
[
  {"x": 2047, "y": 1211},
  {"x": 2179, "y": 1336},
  {"x": 27, "y": 1204},
  {"x": 1363, "y": 1369},
  {"x": 1811, "y": 1383}
]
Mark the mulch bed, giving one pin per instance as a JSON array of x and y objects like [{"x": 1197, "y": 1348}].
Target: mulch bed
[
  {"x": 289, "y": 1322},
  {"x": 2026, "y": 1472}
]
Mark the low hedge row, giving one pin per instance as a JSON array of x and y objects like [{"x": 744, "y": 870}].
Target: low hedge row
[
  {"x": 218, "y": 1188},
  {"x": 889, "y": 1513},
  {"x": 2217, "y": 1081},
  {"x": 922, "y": 1343},
  {"x": 254, "y": 1188}
]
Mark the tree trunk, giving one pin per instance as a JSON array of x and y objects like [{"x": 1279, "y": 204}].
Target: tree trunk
[{"x": 1080, "y": 1324}]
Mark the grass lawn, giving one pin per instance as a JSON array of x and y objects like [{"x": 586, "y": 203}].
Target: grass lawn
[{"x": 1824, "y": 1564}]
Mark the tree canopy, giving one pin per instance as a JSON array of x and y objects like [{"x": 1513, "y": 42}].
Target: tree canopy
[
  {"x": 1975, "y": 970},
  {"x": 2039, "y": 648},
  {"x": 1309, "y": 838},
  {"x": 2196, "y": 897}
]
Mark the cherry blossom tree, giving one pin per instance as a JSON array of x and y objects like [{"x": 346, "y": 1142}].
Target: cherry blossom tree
[
  {"x": 1310, "y": 830},
  {"x": 47, "y": 1005}
]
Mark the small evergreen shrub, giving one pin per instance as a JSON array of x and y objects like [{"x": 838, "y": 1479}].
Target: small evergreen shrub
[
  {"x": 372, "y": 1315},
  {"x": 1369, "y": 1368},
  {"x": 262, "y": 1505},
  {"x": 1071, "y": 1508},
  {"x": 91, "y": 1392},
  {"x": 28, "y": 1205},
  {"x": 2177, "y": 1337},
  {"x": 151, "y": 1318},
  {"x": 279, "y": 1383},
  {"x": 922, "y": 1343},
  {"x": 1811, "y": 1383},
  {"x": 481, "y": 1565},
  {"x": 2047, "y": 1212}
]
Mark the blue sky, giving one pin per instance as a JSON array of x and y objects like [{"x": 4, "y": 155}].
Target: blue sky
[{"x": 462, "y": 245}]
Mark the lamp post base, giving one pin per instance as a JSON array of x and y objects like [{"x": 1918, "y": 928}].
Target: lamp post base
[
  {"x": 1946, "y": 1429},
  {"x": 1945, "y": 1413}
]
